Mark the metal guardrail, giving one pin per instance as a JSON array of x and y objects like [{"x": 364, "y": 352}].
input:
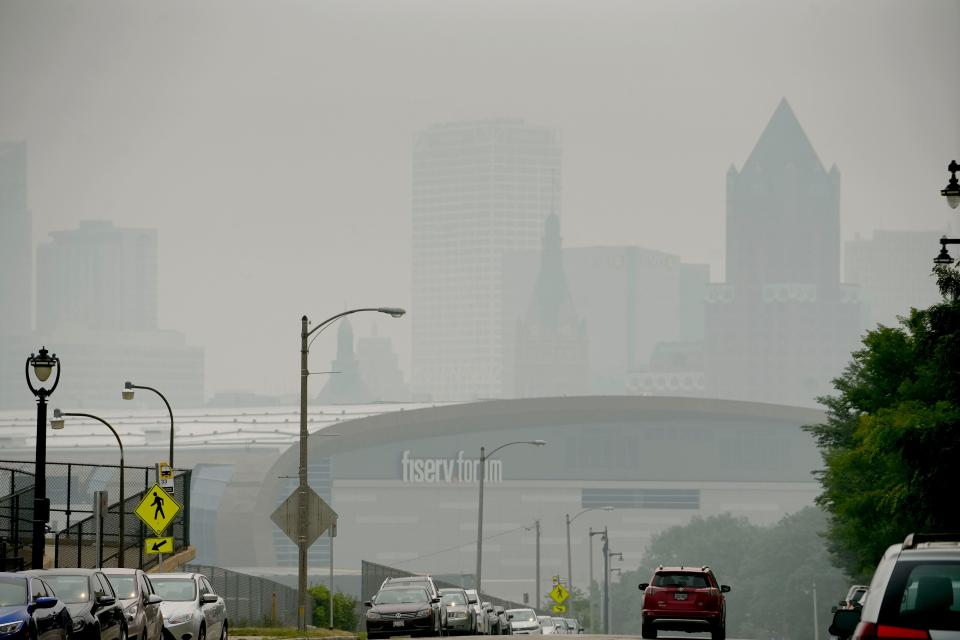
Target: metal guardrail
[
  {"x": 71, "y": 488},
  {"x": 251, "y": 600}
]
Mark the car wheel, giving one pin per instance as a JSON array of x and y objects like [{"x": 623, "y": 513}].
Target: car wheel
[
  {"x": 648, "y": 631},
  {"x": 719, "y": 632}
]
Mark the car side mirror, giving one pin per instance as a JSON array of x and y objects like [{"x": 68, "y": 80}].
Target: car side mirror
[
  {"x": 509, "y": 616},
  {"x": 154, "y": 599},
  {"x": 643, "y": 585},
  {"x": 368, "y": 604},
  {"x": 434, "y": 600},
  {"x": 208, "y": 598},
  {"x": 724, "y": 588},
  {"x": 105, "y": 601},
  {"x": 843, "y": 603},
  {"x": 45, "y": 602}
]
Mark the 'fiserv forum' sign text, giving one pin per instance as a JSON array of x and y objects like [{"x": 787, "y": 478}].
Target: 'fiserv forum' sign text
[{"x": 448, "y": 470}]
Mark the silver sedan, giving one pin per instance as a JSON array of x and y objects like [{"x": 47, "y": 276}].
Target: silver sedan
[{"x": 190, "y": 606}]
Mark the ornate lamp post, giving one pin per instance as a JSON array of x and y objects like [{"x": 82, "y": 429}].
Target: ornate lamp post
[
  {"x": 57, "y": 423},
  {"x": 43, "y": 365},
  {"x": 127, "y": 394},
  {"x": 483, "y": 472},
  {"x": 944, "y": 256},
  {"x": 952, "y": 191}
]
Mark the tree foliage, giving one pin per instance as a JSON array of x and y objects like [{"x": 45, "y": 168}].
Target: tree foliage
[
  {"x": 772, "y": 571},
  {"x": 891, "y": 444},
  {"x": 344, "y": 608}
]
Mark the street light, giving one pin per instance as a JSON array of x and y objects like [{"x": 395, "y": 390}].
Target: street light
[
  {"x": 43, "y": 365},
  {"x": 127, "y": 394},
  {"x": 483, "y": 472},
  {"x": 607, "y": 556},
  {"x": 303, "y": 488},
  {"x": 58, "y": 423},
  {"x": 944, "y": 257},
  {"x": 591, "y": 532},
  {"x": 569, "y": 556},
  {"x": 952, "y": 191}
]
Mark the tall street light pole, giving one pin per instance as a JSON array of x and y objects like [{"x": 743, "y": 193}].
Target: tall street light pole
[
  {"x": 537, "y": 590},
  {"x": 58, "y": 423},
  {"x": 303, "y": 487},
  {"x": 606, "y": 581},
  {"x": 43, "y": 365},
  {"x": 483, "y": 472},
  {"x": 569, "y": 554},
  {"x": 127, "y": 394}
]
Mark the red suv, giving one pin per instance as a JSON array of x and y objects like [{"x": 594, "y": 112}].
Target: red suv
[{"x": 684, "y": 599}]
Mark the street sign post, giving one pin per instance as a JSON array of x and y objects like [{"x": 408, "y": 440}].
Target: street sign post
[
  {"x": 320, "y": 516},
  {"x": 157, "y": 509},
  {"x": 158, "y": 545}
]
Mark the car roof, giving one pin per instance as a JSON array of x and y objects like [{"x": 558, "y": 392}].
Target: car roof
[
  {"x": 117, "y": 571},
  {"x": 154, "y": 576},
  {"x": 697, "y": 569},
  {"x": 449, "y": 589},
  {"x": 79, "y": 571}
]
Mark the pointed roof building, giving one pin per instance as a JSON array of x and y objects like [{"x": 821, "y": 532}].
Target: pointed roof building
[{"x": 346, "y": 385}]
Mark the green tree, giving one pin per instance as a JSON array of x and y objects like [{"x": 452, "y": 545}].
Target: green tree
[
  {"x": 891, "y": 442},
  {"x": 344, "y": 608}
]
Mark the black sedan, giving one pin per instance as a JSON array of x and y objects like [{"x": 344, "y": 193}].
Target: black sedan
[
  {"x": 93, "y": 605},
  {"x": 30, "y": 611},
  {"x": 402, "y": 611}
]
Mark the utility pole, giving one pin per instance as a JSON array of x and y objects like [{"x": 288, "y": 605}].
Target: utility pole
[
  {"x": 593, "y": 623},
  {"x": 483, "y": 464},
  {"x": 303, "y": 486},
  {"x": 816, "y": 625},
  {"x": 569, "y": 560},
  {"x": 537, "y": 590},
  {"x": 606, "y": 582}
]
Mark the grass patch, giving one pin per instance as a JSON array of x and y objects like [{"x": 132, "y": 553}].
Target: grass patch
[{"x": 287, "y": 632}]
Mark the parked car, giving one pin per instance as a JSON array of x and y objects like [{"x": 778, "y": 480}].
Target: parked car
[
  {"x": 483, "y": 622},
  {"x": 141, "y": 605},
  {"x": 574, "y": 625},
  {"x": 524, "y": 621},
  {"x": 30, "y": 609},
  {"x": 190, "y": 605},
  {"x": 847, "y": 615},
  {"x": 406, "y": 611},
  {"x": 684, "y": 599},
  {"x": 91, "y": 601},
  {"x": 855, "y": 596},
  {"x": 493, "y": 620},
  {"x": 427, "y": 583},
  {"x": 502, "y": 621},
  {"x": 560, "y": 626},
  {"x": 460, "y": 615},
  {"x": 913, "y": 591},
  {"x": 546, "y": 625}
]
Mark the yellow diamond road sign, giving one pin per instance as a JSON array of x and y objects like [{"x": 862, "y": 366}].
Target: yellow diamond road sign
[
  {"x": 157, "y": 509},
  {"x": 158, "y": 545},
  {"x": 559, "y": 608},
  {"x": 559, "y": 593}
]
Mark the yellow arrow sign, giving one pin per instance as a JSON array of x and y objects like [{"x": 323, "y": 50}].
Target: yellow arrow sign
[
  {"x": 157, "y": 509},
  {"x": 158, "y": 545},
  {"x": 559, "y": 608},
  {"x": 559, "y": 593}
]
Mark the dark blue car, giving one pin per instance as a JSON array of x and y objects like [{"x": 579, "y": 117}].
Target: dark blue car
[{"x": 29, "y": 610}]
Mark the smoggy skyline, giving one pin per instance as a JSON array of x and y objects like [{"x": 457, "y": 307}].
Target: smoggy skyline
[{"x": 270, "y": 144}]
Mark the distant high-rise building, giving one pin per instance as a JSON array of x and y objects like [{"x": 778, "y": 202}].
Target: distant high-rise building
[
  {"x": 16, "y": 242},
  {"x": 893, "y": 270},
  {"x": 345, "y": 385},
  {"x": 782, "y": 326},
  {"x": 98, "y": 277},
  {"x": 551, "y": 357},
  {"x": 380, "y": 369},
  {"x": 479, "y": 189}
]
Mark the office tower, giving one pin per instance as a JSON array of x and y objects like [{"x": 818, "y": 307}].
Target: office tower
[
  {"x": 98, "y": 277},
  {"x": 344, "y": 384},
  {"x": 551, "y": 356},
  {"x": 479, "y": 189},
  {"x": 782, "y": 326},
  {"x": 16, "y": 242},
  {"x": 381, "y": 369}
]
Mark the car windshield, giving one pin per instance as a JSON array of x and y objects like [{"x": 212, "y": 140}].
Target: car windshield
[
  {"x": 923, "y": 596},
  {"x": 70, "y": 589},
  {"x": 400, "y": 596},
  {"x": 175, "y": 589},
  {"x": 545, "y": 620},
  {"x": 681, "y": 579},
  {"x": 124, "y": 585},
  {"x": 453, "y": 597},
  {"x": 13, "y": 591},
  {"x": 522, "y": 615}
]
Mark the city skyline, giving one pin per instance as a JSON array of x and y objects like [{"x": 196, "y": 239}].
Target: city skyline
[{"x": 274, "y": 186}]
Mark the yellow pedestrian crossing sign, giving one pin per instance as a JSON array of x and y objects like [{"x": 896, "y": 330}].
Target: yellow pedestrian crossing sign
[
  {"x": 157, "y": 509},
  {"x": 559, "y": 608},
  {"x": 559, "y": 593}
]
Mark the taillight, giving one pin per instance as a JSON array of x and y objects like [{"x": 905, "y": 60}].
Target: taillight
[{"x": 871, "y": 631}]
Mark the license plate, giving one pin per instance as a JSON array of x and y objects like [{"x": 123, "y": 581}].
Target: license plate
[
  {"x": 398, "y": 623},
  {"x": 679, "y": 596}
]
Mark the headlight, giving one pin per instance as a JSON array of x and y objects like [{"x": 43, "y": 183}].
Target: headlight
[
  {"x": 373, "y": 615},
  {"x": 78, "y": 624},
  {"x": 424, "y": 612},
  {"x": 457, "y": 614},
  {"x": 131, "y": 611},
  {"x": 179, "y": 618},
  {"x": 11, "y": 627}
]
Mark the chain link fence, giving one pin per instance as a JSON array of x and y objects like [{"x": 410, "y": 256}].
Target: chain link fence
[
  {"x": 253, "y": 601},
  {"x": 71, "y": 488}
]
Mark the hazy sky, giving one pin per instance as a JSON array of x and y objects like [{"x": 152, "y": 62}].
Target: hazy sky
[{"x": 270, "y": 141}]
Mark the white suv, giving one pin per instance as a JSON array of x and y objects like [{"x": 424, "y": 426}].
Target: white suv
[{"x": 915, "y": 591}]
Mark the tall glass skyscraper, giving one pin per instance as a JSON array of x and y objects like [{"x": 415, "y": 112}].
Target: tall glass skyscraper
[{"x": 479, "y": 188}]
